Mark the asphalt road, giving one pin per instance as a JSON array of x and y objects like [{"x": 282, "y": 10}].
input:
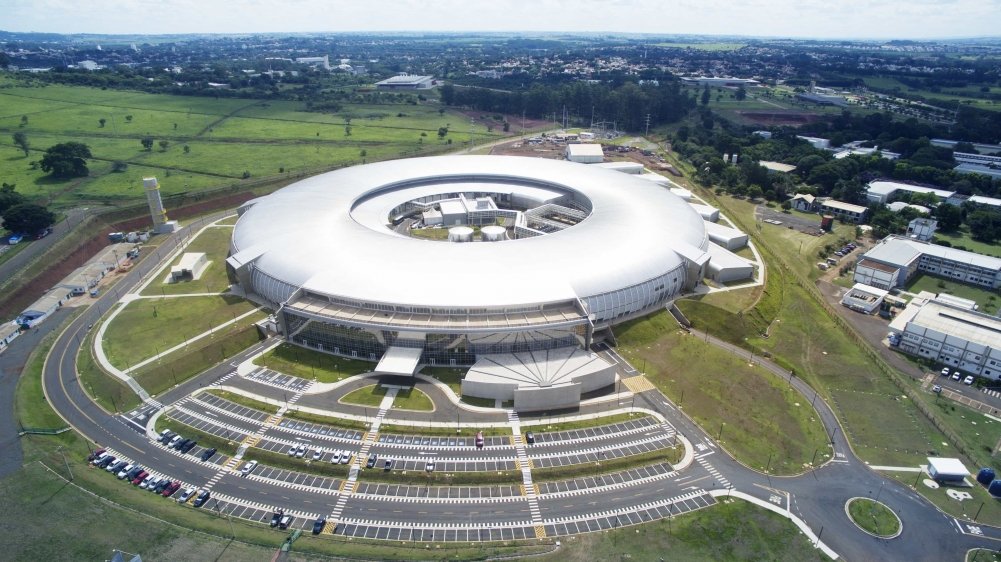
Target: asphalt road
[{"x": 38, "y": 247}]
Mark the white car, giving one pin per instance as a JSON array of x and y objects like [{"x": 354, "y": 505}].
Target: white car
[
  {"x": 293, "y": 450},
  {"x": 149, "y": 481},
  {"x": 346, "y": 457},
  {"x": 335, "y": 457},
  {"x": 968, "y": 380},
  {"x": 317, "y": 454},
  {"x": 186, "y": 495},
  {"x": 248, "y": 468},
  {"x": 173, "y": 440},
  {"x": 301, "y": 452},
  {"x": 125, "y": 470},
  {"x": 429, "y": 466}
]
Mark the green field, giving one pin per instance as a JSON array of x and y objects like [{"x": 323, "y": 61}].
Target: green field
[
  {"x": 214, "y": 242},
  {"x": 147, "y": 327},
  {"x": 762, "y": 420},
  {"x": 309, "y": 364},
  {"x": 963, "y": 96},
  {"x": 874, "y": 517},
  {"x": 406, "y": 398},
  {"x": 988, "y": 300},
  {"x": 963, "y": 238},
  {"x": 229, "y": 141}
]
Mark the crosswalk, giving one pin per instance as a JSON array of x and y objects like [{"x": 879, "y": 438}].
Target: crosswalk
[
  {"x": 990, "y": 392},
  {"x": 712, "y": 470},
  {"x": 525, "y": 465}
]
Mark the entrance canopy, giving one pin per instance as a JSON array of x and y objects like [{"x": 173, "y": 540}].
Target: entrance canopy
[{"x": 399, "y": 361}]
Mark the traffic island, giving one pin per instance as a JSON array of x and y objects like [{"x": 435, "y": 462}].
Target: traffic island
[{"x": 874, "y": 518}]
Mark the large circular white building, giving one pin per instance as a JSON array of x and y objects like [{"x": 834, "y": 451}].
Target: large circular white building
[{"x": 585, "y": 248}]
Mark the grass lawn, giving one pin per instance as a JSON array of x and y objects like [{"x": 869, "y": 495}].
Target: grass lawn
[
  {"x": 214, "y": 242},
  {"x": 963, "y": 238},
  {"x": 243, "y": 400},
  {"x": 546, "y": 424},
  {"x": 406, "y": 399},
  {"x": 341, "y": 423},
  {"x": 430, "y": 233},
  {"x": 759, "y": 415},
  {"x": 988, "y": 300},
  {"x": 147, "y": 327},
  {"x": 732, "y": 530},
  {"x": 309, "y": 364},
  {"x": 481, "y": 402},
  {"x": 557, "y": 473},
  {"x": 112, "y": 394},
  {"x": 979, "y": 432},
  {"x": 448, "y": 375},
  {"x": 443, "y": 431},
  {"x": 875, "y": 517}
]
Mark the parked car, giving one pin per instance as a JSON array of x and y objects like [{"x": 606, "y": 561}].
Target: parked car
[
  {"x": 188, "y": 446},
  {"x": 956, "y": 376},
  {"x": 186, "y": 495},
  {"x": 150, "y": 482},
  {"x": 388, "y": 465},
  {"x": 284, "y": 522},
  {"x": 166, "y": 437},
  {"x": 106, "y": 462},
  {"x": 203, "y": 497},
  {"x": 207, "y": 454},
  {"x": 139, "y": 477},
  {"x": 936, "y": 389},
  {"x": 968, "y": 380},
  {"x": 945, "y": 371},
  {"x": 293, "y": 450},
  {"x": 163, "y": 485},
  {"x": 479, "y": 440},
  {"x": 346, "y": 457},
  {"x": 530, "y": 438},
  {"x": 301, "y": 452},
  {"x": 170, "y": 489},
  {"x": 173, "y": 440},
  {"x": 335, "y": 457},
  {"x": 133, "y": 473},
  {"x": 181, "y": 444},
  {"x": 96, "y": 456},
  {"x": 429, "y": 466},
  {"x": 319, "y": 524},
  {"x": 372, "y": 459},
  {"x": 125, "y": 471},
  {"x": 276, "y": 517},
  {"x": 317, "y": 454},
  {"x": 115, "y": 466},
  {"x": 248, "y": 468}
]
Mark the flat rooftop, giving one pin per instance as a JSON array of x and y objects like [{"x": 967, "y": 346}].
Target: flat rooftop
[{"x": 954, "y": 321}]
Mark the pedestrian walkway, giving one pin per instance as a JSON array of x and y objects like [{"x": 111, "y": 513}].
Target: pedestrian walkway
[{"x": 525, "y": 465}]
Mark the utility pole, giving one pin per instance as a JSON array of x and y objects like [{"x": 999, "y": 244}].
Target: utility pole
[{"x": 647, "y": 133}]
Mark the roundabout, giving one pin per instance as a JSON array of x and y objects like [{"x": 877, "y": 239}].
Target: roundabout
[{"x": 874, "y": 518}]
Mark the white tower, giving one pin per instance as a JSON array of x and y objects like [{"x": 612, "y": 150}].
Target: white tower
[{"x": 159, "y": 215}]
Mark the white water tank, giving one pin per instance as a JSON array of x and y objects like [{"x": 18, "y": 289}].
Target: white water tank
[
  {"x": 493, "y": 233},
  {"x": 460, "y": 234}
]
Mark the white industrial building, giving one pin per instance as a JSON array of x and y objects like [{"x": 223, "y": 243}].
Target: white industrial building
[
  {"x": 406, "y": 82},
  {"x": 709, "y": 214},
  {"x": 844, "y": 211},
  {"x": 726, "y": 266},
  {"x": 191, "y": 266},
  {"x": 585, "y": 153},
  {"x": 816, "y": 142},
  {"x": 950, "y": 334},
  {"x": 776, "y": 167},
  {"x": 883, "y": 191},
  {"x": 803, "y": 202},
  {"x": 947, "y": 469},
  {"x": 922, "y": 228},
  {"x": 729, "y": 238},
  {"x": 898, "y": 206},
  {"x": 864, "y": 298},
  {"x": 895, "y": 260},
  {"x": 41, "y": 309},
  {"x": 8, "y": 332}
]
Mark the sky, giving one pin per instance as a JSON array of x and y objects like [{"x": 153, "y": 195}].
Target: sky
[{"x": 849, "y": 19}]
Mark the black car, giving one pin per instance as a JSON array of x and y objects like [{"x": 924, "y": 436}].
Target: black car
[
  {"x": 166, "y": 437},
  {"x": 188, "y": 446},
  {"x": 372, "y": 459},
  {"x": 133, "y": 473},
  {"x": 318, "y": 525},
  {"x": 207, "y": 454},
  {"x": 162, "y": 485},
  {"x": 202, "y": 498},
  {"x": 106, "y": 461},
  {"x": 530, "y": 438},
  {"x": 276, "y": 517},
  {"x": 181, "y": 443}
]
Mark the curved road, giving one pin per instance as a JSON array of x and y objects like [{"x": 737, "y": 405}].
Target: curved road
[{"x": 817, "y": 497}]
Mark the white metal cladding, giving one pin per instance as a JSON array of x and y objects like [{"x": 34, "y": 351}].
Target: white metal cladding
[{"x": 614, "y": 259}]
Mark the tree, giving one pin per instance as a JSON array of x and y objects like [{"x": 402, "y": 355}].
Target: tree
[
  {"x": 119, "y": 166},
  {"x": 705, "y": 96},
  {"x": 187, "y": 149},
  {"x": 985, "y": 225},
  {"x": 741, "y": 94},
  {"x": 147, "y": 143},
  {"x": 442, "y": 131},
  {"x": 163, "y": 145},
  {"x": 28, "y": 218},
  {"x": 949, "y": 217},
  {"x": 21, "y": 141},
  {"x": 66, "y": 160},
  {"x": 102, "y": 121},
  {"x": 128, "y": 118},
  {"x": 9, "y": 197},
  {"x": 24, "y": 120}
]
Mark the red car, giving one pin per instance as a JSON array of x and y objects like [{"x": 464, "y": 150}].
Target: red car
[
  {"x": 139, "y": 477},
  {"x": 169, "y": 490}
]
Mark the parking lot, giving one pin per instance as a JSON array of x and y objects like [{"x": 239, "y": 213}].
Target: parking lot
[
  {"x": 649, "y": 512},
  {"x": 598, "y": 454},
  {"x": 436, "y": 492},
  {"x": 296, "y": 479},
  {"x": 595, "y": 433},
  {"x": 426, "y": 442},
  {"x": 569, "y": 487},
  {"x": 278, "y": 380},
  {"x": 375, "y": 530},
  {"x": 212, "y": 401}
]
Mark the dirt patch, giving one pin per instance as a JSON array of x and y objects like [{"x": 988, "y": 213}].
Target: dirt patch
[
  {"x": 781, "y": 118},
  {"x": 486, "y": 118},
  {"x": 800, "y": 223}
]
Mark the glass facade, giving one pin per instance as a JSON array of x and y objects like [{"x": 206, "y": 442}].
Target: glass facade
[
  {"x": 439, "y": 348},
  {"x": 607, "y": 307}
]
